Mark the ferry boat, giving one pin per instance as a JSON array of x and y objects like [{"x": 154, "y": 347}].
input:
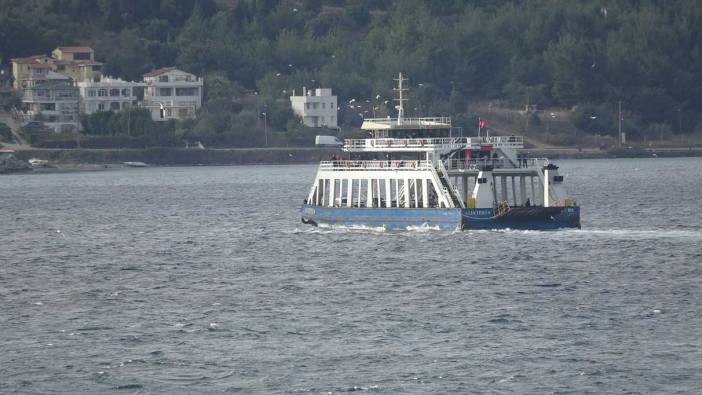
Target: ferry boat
[{"x": 414, "y": 173}]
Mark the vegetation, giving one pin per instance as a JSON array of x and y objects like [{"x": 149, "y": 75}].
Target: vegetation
[{"x": 580, "y": 55}]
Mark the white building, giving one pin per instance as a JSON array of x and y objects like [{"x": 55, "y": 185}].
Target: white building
[
  {"x": 51, "y": 98},
  {"x": 316, "y": 108},
  {"x": 109, "y": 94},
  {"x": 172, "y": 94}
]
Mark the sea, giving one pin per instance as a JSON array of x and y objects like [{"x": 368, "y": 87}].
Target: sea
[{"x": 204, "y": 280}]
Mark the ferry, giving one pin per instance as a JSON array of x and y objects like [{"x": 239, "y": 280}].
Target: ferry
[{"x": 422, "y": 173}]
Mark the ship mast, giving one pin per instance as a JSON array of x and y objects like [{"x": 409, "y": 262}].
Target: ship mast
[{"x": 400, "y": 107}]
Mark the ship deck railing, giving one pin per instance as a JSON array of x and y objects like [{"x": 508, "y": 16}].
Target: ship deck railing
[
  {"x": 496, "y": 163},
  {"x": 385, "y": 144},
  {"x": 406, "y": 123},
  {"x": 356, "y": 165},
  {"x": 432, "y": 144}
]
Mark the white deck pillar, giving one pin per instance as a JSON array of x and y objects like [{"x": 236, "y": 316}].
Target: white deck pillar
[
  {"x": 332, "y": 192},
  {"x": 397, "y": 192},
  {"x": 377, "y": 193},
  {"x": 416, "y": 193},
  {"x": 425, "y": 193},
  {"x": 407, "y": 193},
  {"x": 349, "y": 192},
  {"x": 324, "y": 192},
  {"x": 545, "y": 192},
  {"x": 388, "y": 196},
  {"x": 369, "y": 197},
  {"x": 360, "y": 186}
]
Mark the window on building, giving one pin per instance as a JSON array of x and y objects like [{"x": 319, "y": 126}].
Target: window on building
[
  {"x": 102, "y": 92},
  {"x": 91, "y": 92},
  {"x": 183, "y": 113},
  {"x": 307, "y": 106},
  {"x": 163, "y": 78},
  {"x": 61, "y": 67},
  {"x": 125, "y": 92},
  {"x": 324, "y": 106},
  {"x": 186, "y": 91},
  {"x": 114, "y": 92},
  {"x": 101, "y": 106},
  {"x": 331, "y": 105},
  {"x": 47, "y": 107},
  {"x": 81, "y": 56},
  {"x": 164, "y": 92},
  {"x": 114, "y": 106}
]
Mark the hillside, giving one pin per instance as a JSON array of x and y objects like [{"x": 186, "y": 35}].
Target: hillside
[{"x": 581, "y": 56}]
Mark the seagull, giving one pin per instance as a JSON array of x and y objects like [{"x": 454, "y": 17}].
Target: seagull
[
  {"x": 294, "y": 9},
  {"x": 593, "y": 117},
  {"x": 352, "y": 100},
  {"x": 289, "y": 64},
  {"x": 386, "y": 102},
  {"x": 277, "y": 74},
  {"x": 377, "y": 97}
]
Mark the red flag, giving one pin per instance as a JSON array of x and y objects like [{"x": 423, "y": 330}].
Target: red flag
[{"x": 482, "y": 123}]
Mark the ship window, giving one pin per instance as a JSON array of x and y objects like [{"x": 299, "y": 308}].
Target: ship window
[
  {"x": 557, "y": 178},
  {"x": 482, "y": 180}
]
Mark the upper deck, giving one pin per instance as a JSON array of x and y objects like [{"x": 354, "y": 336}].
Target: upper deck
[
  {"x": 442, "y": 144},
  {"x": 406, "y": 123}
]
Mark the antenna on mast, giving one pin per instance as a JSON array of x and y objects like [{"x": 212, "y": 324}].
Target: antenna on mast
[{"x": 400, "y": 107}]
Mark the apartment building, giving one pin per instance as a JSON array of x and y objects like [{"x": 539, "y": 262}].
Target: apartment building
[
  {"x": 108, "y": 94},
  {"x": 53, "y": 100},
  {"x": 170, "y": 93},
  {"x": 316, "y": 108}
]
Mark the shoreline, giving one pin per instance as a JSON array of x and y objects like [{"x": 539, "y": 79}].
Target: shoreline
[{"x": 83, "y": 160}]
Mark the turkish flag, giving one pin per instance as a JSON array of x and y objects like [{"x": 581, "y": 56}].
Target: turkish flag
[{"x": 482, "y": 123}]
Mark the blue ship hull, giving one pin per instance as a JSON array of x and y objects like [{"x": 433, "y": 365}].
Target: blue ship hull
[{"x": 533, "y": 218}]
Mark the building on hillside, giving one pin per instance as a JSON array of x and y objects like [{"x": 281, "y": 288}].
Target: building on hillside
[
  {"x": 76, "y": 62},
  {"x": 108, "y": 94},
  {"x": 170, "y": 93},
  {"x": 25, "y": 70},
  {"x": 53, "y": 100},
  {"x": 316, "y": 108}
]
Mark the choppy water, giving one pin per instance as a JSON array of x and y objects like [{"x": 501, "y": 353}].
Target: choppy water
[{"x": 203, "y": 279}]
